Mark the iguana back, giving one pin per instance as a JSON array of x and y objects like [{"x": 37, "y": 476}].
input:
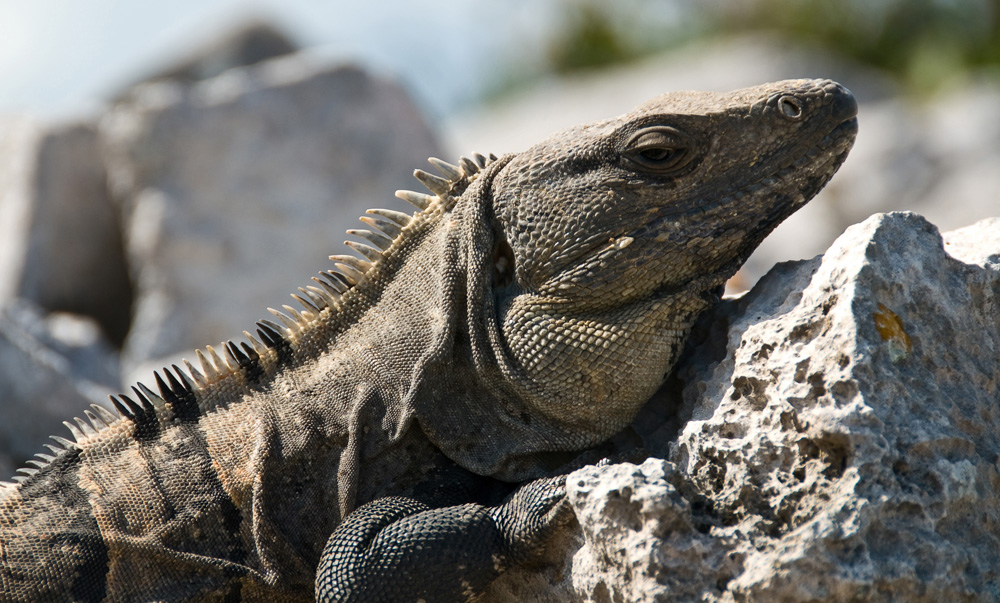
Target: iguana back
[{"x": 526, "y": 310}]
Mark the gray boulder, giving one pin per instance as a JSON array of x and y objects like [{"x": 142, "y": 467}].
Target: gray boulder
[
  {"x": 237, "y": 188},
  {"x": 18, "y": 147},
  {"x": 60, "y": 232},
  {"x": 62, "y": 245},
  {"x": 246, "y": 43},
  {"x": 839, "y": 440},
  {"x": 52, "y": 367}
]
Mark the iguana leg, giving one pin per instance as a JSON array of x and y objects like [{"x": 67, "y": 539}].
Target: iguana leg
[{"x": 399, "y": 549}]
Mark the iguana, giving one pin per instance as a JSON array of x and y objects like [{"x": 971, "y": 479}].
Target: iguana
[{"x": 528, "y": 309}]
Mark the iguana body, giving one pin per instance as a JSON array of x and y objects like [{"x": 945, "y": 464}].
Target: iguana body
[{"x": 527, "y": 310}]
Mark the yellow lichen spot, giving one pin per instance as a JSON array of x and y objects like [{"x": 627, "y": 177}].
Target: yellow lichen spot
[{"x": 890, "y": 328}]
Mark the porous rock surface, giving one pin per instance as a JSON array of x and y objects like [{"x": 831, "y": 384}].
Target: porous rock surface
[{"x": 842, "y": 447}]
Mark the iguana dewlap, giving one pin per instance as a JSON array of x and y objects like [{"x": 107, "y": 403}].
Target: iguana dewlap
[{"x": 527, "y": 310}]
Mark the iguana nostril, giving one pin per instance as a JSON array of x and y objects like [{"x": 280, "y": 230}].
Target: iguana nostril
[{"x": 791, "y": 107}]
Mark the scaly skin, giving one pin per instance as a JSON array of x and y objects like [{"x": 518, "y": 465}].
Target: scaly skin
[{"x": 527, "y": 310}]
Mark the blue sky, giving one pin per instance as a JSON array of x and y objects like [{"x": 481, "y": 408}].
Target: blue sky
[{"x": 61, "y": 56}]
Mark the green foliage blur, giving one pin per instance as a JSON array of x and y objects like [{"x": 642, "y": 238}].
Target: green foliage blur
[
  {"x": 593, "y": 34},
  {"x": 590, "y": 39},
  {"x": 924, "y": 44}
]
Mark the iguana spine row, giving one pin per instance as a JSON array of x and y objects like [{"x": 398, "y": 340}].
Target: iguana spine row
[{"x": 244, "y": 365}]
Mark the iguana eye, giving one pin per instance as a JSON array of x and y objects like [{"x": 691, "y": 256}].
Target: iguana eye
[
  {"x": 657, "y": 154},
  {"x": 658, "y": 149}
]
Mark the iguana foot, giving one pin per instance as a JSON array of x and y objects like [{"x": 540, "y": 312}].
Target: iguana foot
[{"x": 400, "y": 549}]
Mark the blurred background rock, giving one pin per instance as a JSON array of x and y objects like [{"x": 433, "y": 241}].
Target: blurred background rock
[{"x": 169, "y": 171}]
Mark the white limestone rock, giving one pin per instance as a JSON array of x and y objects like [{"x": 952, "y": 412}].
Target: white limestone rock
[
  {"x": 848, "y": 437},
  {"x": 641, "y": 539}
]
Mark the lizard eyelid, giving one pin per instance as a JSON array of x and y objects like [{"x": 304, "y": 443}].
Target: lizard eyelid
[{"x": 657, "y": 149}]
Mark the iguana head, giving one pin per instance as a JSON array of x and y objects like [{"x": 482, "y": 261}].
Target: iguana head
[
  {"x": 607, "y": 240},
  {"x": 680, "y": 188}
]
